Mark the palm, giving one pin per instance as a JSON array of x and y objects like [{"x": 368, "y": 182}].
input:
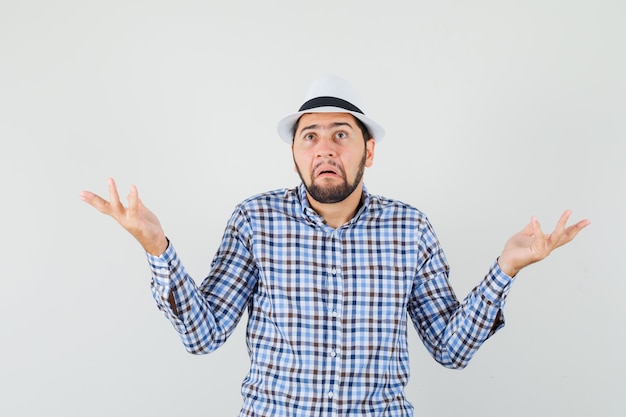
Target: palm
[
  {"x": 137, "y": 219},
  {"x": 531, "y": 244}
]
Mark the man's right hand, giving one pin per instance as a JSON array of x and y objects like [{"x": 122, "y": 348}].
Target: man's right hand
[{"x": 136, "y": 218}]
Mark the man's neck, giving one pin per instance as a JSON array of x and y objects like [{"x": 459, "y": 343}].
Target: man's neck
[{"x": 337, "y": 214}]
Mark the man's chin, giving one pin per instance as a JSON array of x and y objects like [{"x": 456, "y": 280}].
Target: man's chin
[{"x": 328, "y": 193}]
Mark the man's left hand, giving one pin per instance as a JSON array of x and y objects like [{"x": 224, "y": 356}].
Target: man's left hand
[{"x": 531, "y": 245}]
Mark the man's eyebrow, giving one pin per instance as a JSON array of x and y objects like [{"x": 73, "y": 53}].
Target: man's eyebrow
[{"x": 332, "y": 125}]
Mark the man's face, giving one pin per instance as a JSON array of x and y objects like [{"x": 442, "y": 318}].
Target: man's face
[{"x": 330, "y": 155}]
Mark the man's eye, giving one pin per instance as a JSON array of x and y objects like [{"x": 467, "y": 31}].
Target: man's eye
[
  {"x": 310, "y": 136},
  {"x": 341, "y": 135}
]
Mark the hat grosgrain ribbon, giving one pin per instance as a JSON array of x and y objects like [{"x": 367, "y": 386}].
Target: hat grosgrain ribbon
[{"x": 330, "y": 94}]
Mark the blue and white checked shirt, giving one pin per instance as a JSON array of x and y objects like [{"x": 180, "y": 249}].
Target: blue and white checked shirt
[{"x": 328, "y": 308}]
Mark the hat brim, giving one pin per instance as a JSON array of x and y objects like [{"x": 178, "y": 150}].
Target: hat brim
[{"x": 287, "y": 124}]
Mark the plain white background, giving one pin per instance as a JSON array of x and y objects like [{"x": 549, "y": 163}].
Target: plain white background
[{"x": 494, "y": 110}]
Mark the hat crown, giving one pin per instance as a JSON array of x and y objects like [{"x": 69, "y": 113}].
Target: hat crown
[
  {"x": 331, "y": 85},
  {"x": 330, "y": 94}
]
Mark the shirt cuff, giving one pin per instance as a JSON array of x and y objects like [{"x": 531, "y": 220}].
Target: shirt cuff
[
  {"x": 162, "y": 266},
  {"x": 496, "y": 285}
]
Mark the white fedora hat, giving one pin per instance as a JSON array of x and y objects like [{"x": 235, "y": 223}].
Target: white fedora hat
[{"x": 330, "y": 94}]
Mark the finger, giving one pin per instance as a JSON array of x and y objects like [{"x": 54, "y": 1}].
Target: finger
[
  {"x": 114, "y": 197},
  {"x": 555, "y": 239},
  {"x": 571, "y": 232},
  {"x": 583, "y": 223},
  {"x": 568, "y": 234},
  {"x": 133, "y": 199},
  {"x": 86, "y": 195},
  {"x": 96, "y": 201},
  {"x": 536, "y": 226},
  {"x": 540, "y": 238},
  {"x": 560, "y": 226}
]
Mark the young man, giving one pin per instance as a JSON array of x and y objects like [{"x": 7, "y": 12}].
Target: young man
[{"x": 330, "y": 275}]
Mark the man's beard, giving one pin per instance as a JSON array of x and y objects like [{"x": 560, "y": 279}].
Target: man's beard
[{"x": 334, "y": 193}]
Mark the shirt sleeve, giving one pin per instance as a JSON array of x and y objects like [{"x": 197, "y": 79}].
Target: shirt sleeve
[
  {"x": 206, "y": 315},
  {"x": 452, "y": 331}
]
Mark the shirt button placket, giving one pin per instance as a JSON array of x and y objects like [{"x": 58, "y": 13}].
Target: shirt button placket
[{"x": 332, "y": 253}]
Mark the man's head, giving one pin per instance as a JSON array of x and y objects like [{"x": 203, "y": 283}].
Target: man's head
[{"x": 332, "y": 140}]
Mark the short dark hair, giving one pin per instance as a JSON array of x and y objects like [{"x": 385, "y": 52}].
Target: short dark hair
[{"x": 366, "y": 133}]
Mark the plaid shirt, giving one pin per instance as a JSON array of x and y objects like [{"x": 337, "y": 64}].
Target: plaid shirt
[{"x": 328, "y": 308}]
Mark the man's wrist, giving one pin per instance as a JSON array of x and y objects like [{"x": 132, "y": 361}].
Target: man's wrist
[
  {"x": 507, "y": 268},
  {"x": 157, "y": 248}
]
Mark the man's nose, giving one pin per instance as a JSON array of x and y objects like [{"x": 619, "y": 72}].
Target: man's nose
[{"x": 325, "y": 148}]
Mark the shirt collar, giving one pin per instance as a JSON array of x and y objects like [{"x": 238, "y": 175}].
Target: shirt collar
[{"x": 313, "y": 217}]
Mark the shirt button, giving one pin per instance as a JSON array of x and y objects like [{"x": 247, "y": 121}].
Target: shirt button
[
  {"x": 333, "y": 271},
  {"x": 330, "y": 394},
  {"x": 333, "y": 353},
  {"x": 334, "y": 313}
]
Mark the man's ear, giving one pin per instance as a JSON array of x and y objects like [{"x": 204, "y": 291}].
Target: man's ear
[{"x": 369, "y": 152}]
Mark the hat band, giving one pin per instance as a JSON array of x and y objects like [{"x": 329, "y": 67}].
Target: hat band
[{"x": 326, "y": 101}]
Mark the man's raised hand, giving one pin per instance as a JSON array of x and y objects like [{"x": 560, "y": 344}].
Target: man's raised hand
[
  {"x": 136, "y": 218},
  {"x": 531, "y": 245}
]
